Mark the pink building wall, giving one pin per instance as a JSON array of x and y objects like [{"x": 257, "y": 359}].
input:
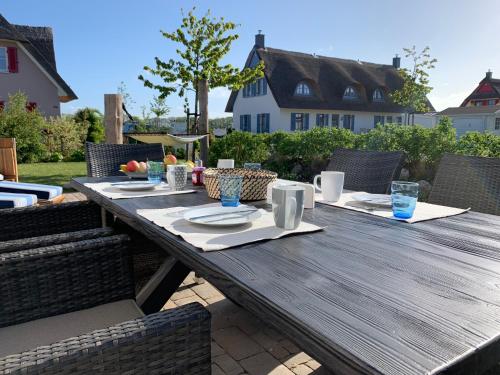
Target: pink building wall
[{"x": 31, "y": 81}]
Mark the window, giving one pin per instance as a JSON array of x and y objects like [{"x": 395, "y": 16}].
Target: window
[
  {"x": 303, "y": 89},
  {"x": 478, "y": 103},
  {"x": 246, "y": 123},
  {"x": 388, "y": 120},
  {"x": 263, "y": 123},
  {"x": 299, "y": 121},
  {"x": 321, "y": 119},
  {"x": 378, "y": 95},
  {"x": 491, "y": 102},
  {"x": 399, "y": 120},
  {"x": 350, "y": 93},
  {"x": 378, "y": 120},
  {"x": 497, "y": 123},
  {"x": 256, "y": 88},
  {"x": 4, "y": 65},
  {"x": 335, "y": 120},
  {"x": 348, "y": 121}
]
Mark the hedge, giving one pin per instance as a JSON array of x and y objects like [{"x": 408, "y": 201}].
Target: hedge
[{"x": 301, "y": 155}]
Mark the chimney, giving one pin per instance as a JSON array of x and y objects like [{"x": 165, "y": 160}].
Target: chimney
[
  {"x": 489, "y": 74},
  {"x": 396, "y": 61},
  {"x": 259, "y": 40}
]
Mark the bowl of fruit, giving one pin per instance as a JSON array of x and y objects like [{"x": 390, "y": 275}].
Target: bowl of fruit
[{"x": 135, "y": 169}]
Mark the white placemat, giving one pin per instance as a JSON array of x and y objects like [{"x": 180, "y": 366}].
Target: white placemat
[
  {"x": 219, "y": 238},
  {"x": 423, "y": 211},
  {"x": 111, "y": 192}
]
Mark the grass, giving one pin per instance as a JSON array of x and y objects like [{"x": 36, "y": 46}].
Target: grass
[{"x": 51, "y": 173}]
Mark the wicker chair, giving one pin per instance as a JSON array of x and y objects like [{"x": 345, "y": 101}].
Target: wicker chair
[
  {"x": 69, "y": 309},
  {"x": 105, "y": 159},
  {"x": 370, "y": 171},
  {"x": 468, "y": 182}
]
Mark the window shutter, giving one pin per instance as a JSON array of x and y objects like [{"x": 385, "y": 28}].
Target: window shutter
[
  {"x": 264, "y": 86},
  {"x": 259, "y": 123},
  {"x": 267, "y": 123},
  {"x": 292, "y": 122},
  {"x": 326, "y": 119},
  {"x": 317, "y": 120},
  {"x": 12, "y": 59},
  {"x": 306, "y": 121},
  {"x": 249, "y": 123},
  {"x": 241, "y": 122}
]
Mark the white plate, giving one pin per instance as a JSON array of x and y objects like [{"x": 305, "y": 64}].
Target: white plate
[
  {"x": 376, "y": 199},
  {"x": 135, "y": 185},
  {"x": 222, "y": 216}
]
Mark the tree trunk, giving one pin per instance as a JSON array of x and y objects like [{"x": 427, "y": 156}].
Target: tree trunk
[{"x": 203, "y": 123}]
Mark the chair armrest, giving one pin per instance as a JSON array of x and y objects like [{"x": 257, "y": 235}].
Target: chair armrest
[
  {"x": 57, "y": 279},
  {"x": 174, "y": 341},
  {"x": 53, "y": 239},
  {"x": 40, "y": 221}
]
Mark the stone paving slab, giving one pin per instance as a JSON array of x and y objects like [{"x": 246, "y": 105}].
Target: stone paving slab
[{"x": 241, "y": 343}]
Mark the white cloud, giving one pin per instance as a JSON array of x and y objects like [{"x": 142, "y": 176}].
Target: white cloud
[
  {"x": 443, "y": 101},
  {"x": 219, "y": 93}
]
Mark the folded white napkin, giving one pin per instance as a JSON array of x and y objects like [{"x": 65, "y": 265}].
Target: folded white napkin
[
  {"x": 423, "y": 211},
  {"x": 112, "y": 192},
  {"x": 218, "y": 238}
]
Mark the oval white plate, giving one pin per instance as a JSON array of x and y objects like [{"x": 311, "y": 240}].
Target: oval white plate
[
  {"x": 135, "y": 185},
  {"x": 377, "y": 199},
  {"x": 222, "y": 216}
]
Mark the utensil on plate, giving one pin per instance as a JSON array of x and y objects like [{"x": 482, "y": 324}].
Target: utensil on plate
[
  {"x": 135, "y": 185},
  {"x": 222, "y": 216},
  {"x": 288, "y": 206},
  {"x": 331, "y": 186}
]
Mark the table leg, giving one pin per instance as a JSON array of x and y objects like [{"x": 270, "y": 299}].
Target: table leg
[{"x": 162, "y": 285}]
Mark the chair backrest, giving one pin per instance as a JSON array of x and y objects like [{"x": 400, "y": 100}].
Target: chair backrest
[
  {"x": 8, "y": 159},
  {"x": 105, "y": 159},
  {"x": 468, "y": 181},
  {"x": 370, "y": 171}
]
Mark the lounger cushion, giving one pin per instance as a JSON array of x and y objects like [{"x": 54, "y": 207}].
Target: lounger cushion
[
  {"x": 41, "y": 191},
  {"x": 11, "y": 200},
  {"x": 27, "y": 336}
]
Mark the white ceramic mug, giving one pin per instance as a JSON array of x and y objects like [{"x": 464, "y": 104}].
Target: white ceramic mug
[
  {"x": 332, "y": 184},
  {"x": 225, "y": 163}
]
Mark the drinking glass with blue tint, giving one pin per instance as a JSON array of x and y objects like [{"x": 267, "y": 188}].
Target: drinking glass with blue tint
[
  {"x": 230, "y": 189},
  {"x": 252, "y": 166},
  {"x": 155, "y": 171},
  {"x": 404, "y": 198}
]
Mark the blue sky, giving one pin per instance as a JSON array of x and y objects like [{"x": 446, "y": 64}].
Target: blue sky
[{"x": 100, "y": 43}]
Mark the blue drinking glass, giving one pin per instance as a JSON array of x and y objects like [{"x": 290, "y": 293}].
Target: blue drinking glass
[
  {"x": 404, "y": 198},
  {"x": 155, "y": 171},
  {"x": 230, "y": 189}
]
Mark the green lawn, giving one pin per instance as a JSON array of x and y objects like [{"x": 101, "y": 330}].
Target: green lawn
[{"x": 51, "y": 173}]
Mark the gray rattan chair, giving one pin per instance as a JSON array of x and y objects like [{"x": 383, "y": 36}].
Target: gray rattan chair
[
  {"x": 468, "y": 182},
  {"x": 69, "y": 309},
  {"x": 370, "y": 171},
  {"x": 105, "y": 159}
]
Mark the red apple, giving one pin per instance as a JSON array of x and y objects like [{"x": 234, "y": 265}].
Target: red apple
[
  {"x": 132, "y": 166},
  {"x": 143, "y": 167}
]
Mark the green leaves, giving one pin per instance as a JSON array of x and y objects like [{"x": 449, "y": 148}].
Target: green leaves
[
  {"x": 202, "y": 44},
  {"x": 413, "y": 94}
]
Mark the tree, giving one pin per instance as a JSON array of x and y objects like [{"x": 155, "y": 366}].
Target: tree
[
  {"x": 413, "y": 93},
  {"x": 91, "y": 118},
  {"x": 159, "y": 108},
  {"x": 203, "y": 42},
  {"x": 126, "y": 97}
]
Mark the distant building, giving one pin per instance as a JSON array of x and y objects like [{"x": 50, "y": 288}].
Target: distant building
[
  {"x": 480, "y": 111},
  {"x": 28, "y": 64},
  {"x": 300, "y": 91}
]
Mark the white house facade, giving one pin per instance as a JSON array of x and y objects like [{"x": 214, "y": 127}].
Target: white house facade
[
  {"x": 301, "y": 91},
  {"x": 474, "y": 118}
]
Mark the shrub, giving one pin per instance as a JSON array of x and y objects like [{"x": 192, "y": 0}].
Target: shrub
[
  {"x": 240, "y": 146},
  {"x": 64, "y": 136},
  {"x": 25, "y": 126},
  {"x": 56, "y": 157},
  {"x": 92, "y": 120},
  {"x": 479, "y": 144},
  {"x": 77, "y": 155}
]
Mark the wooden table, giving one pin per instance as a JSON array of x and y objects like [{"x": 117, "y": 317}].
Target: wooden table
[{"x": 365, "y": 296}]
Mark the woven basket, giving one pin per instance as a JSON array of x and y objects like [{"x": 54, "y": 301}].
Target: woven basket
[{"x": 254, "y": 186}]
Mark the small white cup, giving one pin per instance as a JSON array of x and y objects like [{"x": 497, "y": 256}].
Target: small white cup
[
  {"x": 225, "y": 163},
  {"x": 332, "y": 184}
]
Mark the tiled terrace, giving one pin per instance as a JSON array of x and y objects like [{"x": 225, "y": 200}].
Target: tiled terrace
[{"x": 241, "y": 343}]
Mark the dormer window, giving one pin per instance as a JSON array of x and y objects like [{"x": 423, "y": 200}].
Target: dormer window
[
  {"x": 350, "y": 93},
  {"x": 303, "y": 89},
  {"x": 378, "y": 95}
]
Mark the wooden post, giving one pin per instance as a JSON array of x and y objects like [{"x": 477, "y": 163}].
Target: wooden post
[
  {"x": 113, "y": 118},
  {"x": 203, "y": 124}
]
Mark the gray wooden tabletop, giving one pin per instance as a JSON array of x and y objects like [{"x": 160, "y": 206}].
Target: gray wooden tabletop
[{"x": 367, "y": 295}]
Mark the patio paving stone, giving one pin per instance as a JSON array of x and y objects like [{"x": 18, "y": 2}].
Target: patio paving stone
[{"x": 264, "y": 363}]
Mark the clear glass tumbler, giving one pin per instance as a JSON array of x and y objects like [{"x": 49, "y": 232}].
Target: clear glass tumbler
[
  {"x": 230, "y": 189},
  {"x": 404, "y": 198},
  {"x": 155, "y": 171}
]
